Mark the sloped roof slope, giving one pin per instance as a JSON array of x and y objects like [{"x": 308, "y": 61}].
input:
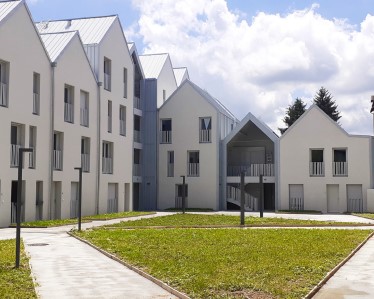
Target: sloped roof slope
[
  {"x": 180, "y": 73},
  {"x": 6, "y": 7},
  {"x": 55, "y": 43},
  {"x": 91, "y": 30},
  {"x": 152, "y": 64}
]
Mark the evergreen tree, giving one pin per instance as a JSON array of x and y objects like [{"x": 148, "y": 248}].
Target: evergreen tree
[
  {"x": 293, "y": 112},
  {"x": 323, "y": 99}
]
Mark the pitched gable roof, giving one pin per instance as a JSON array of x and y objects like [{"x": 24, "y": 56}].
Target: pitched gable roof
[
  {"x": 91, "y": 30},
  {"x": 152, "y": 64},
  {"x": 180, "y": 74},
  {"x": 55, "y": 43},
  {"x": 6, "y": 7}
]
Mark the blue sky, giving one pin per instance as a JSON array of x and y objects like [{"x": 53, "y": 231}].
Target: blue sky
[{"x": 255, "y": 56}]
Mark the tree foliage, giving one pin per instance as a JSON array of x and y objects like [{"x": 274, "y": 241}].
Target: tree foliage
[
  {"x": 323, "y": 99},
  {"x": 293, "y": 112}
]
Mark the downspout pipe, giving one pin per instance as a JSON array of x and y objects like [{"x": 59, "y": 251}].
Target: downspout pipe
[
  {"x": 52, "y": 129},
  {"x": 99, "y": 85}
]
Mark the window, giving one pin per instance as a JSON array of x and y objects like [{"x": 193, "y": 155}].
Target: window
[
  {"x": 109, "y": 116},
  {"x": 166, "y": 131},
  {"x": 16, "y": 141},
  {"x": 69, "y": 104},
  {"x": 137, "y": 132},
  {"x": 316, "y": 165},
  {"x": 122, "y": 120},
  {"x": 339, "y": 164},
  {"x": 170, "y": 158},
  {"x": 193, "y": 164},
  {"x": 58, "y": 141},
  {"x": 107, "y": 155},
  {"x": 32, "y": 144},
  {"x": 4, "y": 75},
  {"x": 164, "y": 95},
  {"x": 205, "y": 124},
  {"x": 107, "y": 73},
  {"x": 85, "y": 154},
  {"x": 36, "y": 94},
  {"x": 137, "y": 162},
  {"x": 84, "y": 110},
  {"x": 125, "y": 82},
  {"x": 179, "y": 195}
]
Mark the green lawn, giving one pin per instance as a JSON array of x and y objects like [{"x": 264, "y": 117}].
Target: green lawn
[
  {"x": 117, "y": 215},
  {"x": 180, "y": 220},
  {"x": 14, "y": 283},
  {"x": 232, "y": 263},
  {"x": 364, "y": 215}
]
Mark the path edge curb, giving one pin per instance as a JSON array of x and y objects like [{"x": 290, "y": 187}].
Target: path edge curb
[
  {"x": 140, "y": 272},
  {"x": 315, "y": 290}
]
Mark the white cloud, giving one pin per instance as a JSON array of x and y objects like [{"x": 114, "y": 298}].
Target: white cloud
[{"x": 262, "y": 65}]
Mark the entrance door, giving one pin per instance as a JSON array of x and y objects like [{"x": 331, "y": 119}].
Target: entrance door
[
  {"x": 74, "y": 200},
  {"x": 332, "y": 192},
  {"x": 354, "y": 198},
  {"x": 127, "y": 197},
  {"x": 39, "y": 201},
  {"x": 57, "y": 199},
  {"x": 112, "y": 198},
  {"x": 296, "y": 201}
]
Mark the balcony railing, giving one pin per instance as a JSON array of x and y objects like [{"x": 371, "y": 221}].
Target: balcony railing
[
  {"x": 122, "y": 127},
  {"x": 32, "y": 158},
  {"x": 57, "y": 159},
  {"x": 296, "y": 203},
  {"x": 316, "y": 168},
  {"x": 137, "y": 169},
  {"x": 193, "y": 169},
  {"x": 165, "y": 136},
  {"x": 85, "y": 162},
  {"x": 84, "y": 117},
  {"x": 3, "y": 94},
  {"x": 137, "y": 103},
  {"x": 339, "y": 168},
  {"x": 112, "y": 205},
  {"x": 107, "y": 165},
  {"x": 14, "y": 155},
  {"x": 205, "y": 136},
  {"x": 109, "y": 124},
  {"x": 178, "y": 202},
  {"x": 36, "y": 103},
  {"x": 251, "y": 170},
  {"x": 107, "y": 81},
  {"x": 170, "y": 169},
  {"x": 69, "y": 113},
  {"x": 137, "y": 136}
]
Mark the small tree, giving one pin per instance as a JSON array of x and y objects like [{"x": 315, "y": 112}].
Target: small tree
[
  {"x": 293, "y": 112},
  {"x": 323, "y": 99}
]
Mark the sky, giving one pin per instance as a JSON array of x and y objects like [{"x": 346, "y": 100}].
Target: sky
[{"x": 254, "y": 56}]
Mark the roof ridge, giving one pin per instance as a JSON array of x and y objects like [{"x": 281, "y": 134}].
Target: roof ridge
[
  {"x": 60, "y": 32},
  {"x": 74, "y": 19}
]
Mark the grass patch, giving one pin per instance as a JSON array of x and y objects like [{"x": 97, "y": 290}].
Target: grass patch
[
  {"x": 232, "y": 263},
  {"x": 14, "y": 283},
  {"x": 117, "y": 215},
  {"x": 182, "y": 220},
  {"x": 364, "y": 215},
  {"x": 189, "y": 210}
]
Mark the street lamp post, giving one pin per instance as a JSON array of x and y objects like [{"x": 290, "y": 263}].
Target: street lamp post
[
  {"x": 80, "y": 198},
  {"x": 242, "y": 198},
  {"x": 18, "y": 207},
  {"x": 183, "y": 193}
]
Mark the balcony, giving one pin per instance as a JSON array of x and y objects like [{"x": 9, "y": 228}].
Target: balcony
[
  {"x": 32, "y": 158},
  {"x": 57, "y": 159},
  {"x": 36, "y": 103},
  {"x": 69, "y": 113},
  {"x": 107, "y": 81},
  {"x": 165, "y": 136},
  {"x": 137, "y": 136},
  {"x": 193, "y": 169},
  {"x": 85, "y": 160},
  {"x": 107, "y": 165},
  {"x": 14, "y": 155},
  {"x": 137, "y": 103},
  {"x": 339, "y": 168},
  {"x": 205, "y": 136},
  {"x": 122, "y": 128},
  {"x": 3, "y": 94},
  {"x": 252, "y": 170},
  {"x": 316, "y": 168},
  {"x": 84, "y": 117},
  {"x": 137, "y": 169}
]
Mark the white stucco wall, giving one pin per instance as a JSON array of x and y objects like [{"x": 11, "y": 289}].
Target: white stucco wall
[
  {"x": 165, "y": 81},
  {"x": 203, "y": 191},
  {"x": 22, "y": 48},
  {"x": 315, "y": 131}
]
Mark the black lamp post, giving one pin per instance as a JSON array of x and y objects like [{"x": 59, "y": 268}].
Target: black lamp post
[
  {"x": 242, "y": 198},
  {"x": 183, "y": 193},
  {"x": 80, "y": 198}
]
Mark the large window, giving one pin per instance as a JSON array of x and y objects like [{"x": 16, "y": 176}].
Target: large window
[
  {"x": 85, "y": 154},
  {"x": 58, "y": 142},
  {"x": 193, "y": 163},
  {"x": 316, "y": 164},
  {"x": 36, "y": 94},
  {"x": 166, "y": 131},
  {"x": 339, "y": 164},
  {"x": 170, "y": 164},
  {"x": 69, "y": 104},
  {"x": 109, "y": 116},
  {"x": 122, "y": 120},
  {"x": 32, "y": 144},
  {"x": 107, "y": 156},
  {"x": 107, "y": 73},
  {"x": 84, "y": 109},
  {"x": 125, "y": 82},
  {"x": 4, "y": 76},
  {"x": 205, "y": 124}
]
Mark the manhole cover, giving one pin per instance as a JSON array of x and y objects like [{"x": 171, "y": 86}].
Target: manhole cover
[{"x": 38, "y": 244}]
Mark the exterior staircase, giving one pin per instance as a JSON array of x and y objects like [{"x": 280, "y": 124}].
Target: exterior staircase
[{"x": 233, "y": 196}]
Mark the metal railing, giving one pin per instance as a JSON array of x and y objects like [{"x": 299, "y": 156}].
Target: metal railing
[
  {"x": 234, "y": 194},
  {"x": 178, "y": 202},
  {"x": 84, "y": 117},
  {"x": 339, "y": 168},
  {"x": 107, "y": 165},
  {"x": 316, "y": 168},
  {"x": 253, "y": 170},
  {"x": 3, "y": 94},
  {"x": 85, "y": 160},
  {"x": 193, "y": 169},
  {"x": 122, "y": 127},
  {"x": 170, "y": 169},
  {"x": 57, "y": 159},
  {"x": 137, "y": 136},
  {"x": 36, "y": 103},
  {"x": 165, "y": 136},
  {"x": 296, "y": 204},
  {"x": 112, "y": 205},
  {"x": 137, "y": 169},
  {"x": 69, "y": 113},
  {"x": 32, "y": 158},
  {"x": 107, "y": 81},
  {"x": 14, "y": 155},
  {"x": 137, "y": 103},
  {"x": 205, "y": 136}
]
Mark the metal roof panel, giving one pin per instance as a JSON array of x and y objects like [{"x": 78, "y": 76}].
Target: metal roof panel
[
  {"x": 6, "y": 7},
  {"x": 55, "y": 43},
  {"x": 180, "y": 74},
  {"x": 152, "y": 64}
]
